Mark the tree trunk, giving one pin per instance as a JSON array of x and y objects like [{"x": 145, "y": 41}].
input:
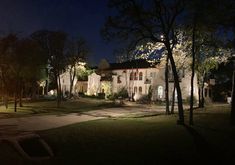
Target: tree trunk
[
  {"x": 72, "y": 77},
  {"x": 177, "y": 85},
  {"x": 173, "y": 100},
  {"x": 6, "y": 100},
  {"x": 201, "y": 94},
  {"x": 192, "y": 77},
  {"x": 15, "y": 102},
  {"x": 59, "y": 94},
  {"x": 232, "y": 119},
  {"x": 20, "y": 100},
  {"x": 167, "y": 86}
]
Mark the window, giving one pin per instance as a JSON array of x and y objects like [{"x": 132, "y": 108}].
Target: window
[
  {"x": 119, "y": 79},
  {"x": 131, "y": 76},
  {"x": 135, "y": 89},
  {"x": 140, "y": 76},
  {"x": 136, "y": 76},
  {"x": 160, "y": 92},
  {"x": 140, "y": 90}
]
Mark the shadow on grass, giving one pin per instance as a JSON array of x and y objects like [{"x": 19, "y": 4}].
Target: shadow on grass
[{"x": 207, "y": 152}]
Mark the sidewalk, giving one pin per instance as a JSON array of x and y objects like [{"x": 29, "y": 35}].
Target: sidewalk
[{"x": 22, "y": 125}]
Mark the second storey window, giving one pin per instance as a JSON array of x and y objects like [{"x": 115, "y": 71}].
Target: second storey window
[
  {"x": 136, "y": 76},
  {"x": 131, "y": 76},
  {"x": 140, "y": 76}
]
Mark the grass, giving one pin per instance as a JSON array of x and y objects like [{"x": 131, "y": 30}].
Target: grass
[
  {"x": 122, "y": 141},
  {"x": 49, "y": 107},
  {"x": 147, "y": 140}
]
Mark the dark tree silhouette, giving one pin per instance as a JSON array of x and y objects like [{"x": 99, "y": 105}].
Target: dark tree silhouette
[
  {"x": 53, "y": 43},
  {"x": 139, "y": 22}
]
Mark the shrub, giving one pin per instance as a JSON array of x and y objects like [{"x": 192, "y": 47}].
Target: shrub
[
  {"x": 122, "y": 94},
  {"x": 81, "y": 94},
  {"x": 144, "y": 99},
  {"x": 187, "y": 101},
  {"x": 101, "y": 95}
]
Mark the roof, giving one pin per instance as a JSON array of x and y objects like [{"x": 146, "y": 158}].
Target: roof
[{"x": 139, "y": 63}]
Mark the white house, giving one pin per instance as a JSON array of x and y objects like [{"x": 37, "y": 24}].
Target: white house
[
  {"x": 65, "y": 82},
  {"x": 138, "y": 77}
]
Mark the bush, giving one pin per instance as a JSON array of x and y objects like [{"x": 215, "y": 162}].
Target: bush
[
  {"x": 81, "y": 94},
  {"x": 101, "y": 95},
  {"x": 144, "y": 99},
  {"x": 122, "y": 94},
  {"x": 112, "y": 96},
  {"x": 187, "y": 101}
]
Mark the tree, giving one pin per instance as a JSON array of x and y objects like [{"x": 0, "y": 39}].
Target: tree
[
  {"x": 21, "y": 63},
  {"x": 148, "y": 21},
  {"x": 7, "y": 49},
  {"x": 77, "y": 52},
  {"x": 53, "y": 43},
  {"x": 232, "y": 118}
]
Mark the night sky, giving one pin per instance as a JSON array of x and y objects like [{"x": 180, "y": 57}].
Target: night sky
[{"x": 76, "y": 17}]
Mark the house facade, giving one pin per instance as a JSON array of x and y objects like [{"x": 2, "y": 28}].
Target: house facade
[{"x": 139, "y": 78}]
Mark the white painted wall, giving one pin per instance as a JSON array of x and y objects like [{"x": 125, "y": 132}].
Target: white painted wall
[{"x": 65, "y": 82}]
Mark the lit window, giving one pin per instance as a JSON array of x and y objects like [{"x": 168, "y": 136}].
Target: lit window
[
  {"x": 135, "y": 89},
  {"x": 140, "y": 76},
  {"x": 140, "y": 90},
  {"x": 131, "y": 76},
  {"x": 136, "y": 76},
  {"x": 160, "y": 92}
]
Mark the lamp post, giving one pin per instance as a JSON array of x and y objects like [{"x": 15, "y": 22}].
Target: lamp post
[{"x": 233, "y": 93}]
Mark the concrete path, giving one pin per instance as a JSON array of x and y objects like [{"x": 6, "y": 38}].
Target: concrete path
[
  {"x": 35, "y": 123},
  {"x": 25, "y": 125}
]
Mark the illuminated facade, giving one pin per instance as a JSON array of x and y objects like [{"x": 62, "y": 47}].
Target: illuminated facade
[{"x": 139, "y": 78}]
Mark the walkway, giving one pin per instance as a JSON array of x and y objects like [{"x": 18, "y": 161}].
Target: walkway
[{"x": 25, "y": 125}]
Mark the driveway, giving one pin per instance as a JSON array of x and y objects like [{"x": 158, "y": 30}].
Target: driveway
[{"x": 25, "y": 125}]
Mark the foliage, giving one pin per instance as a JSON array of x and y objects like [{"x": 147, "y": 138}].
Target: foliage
[
  {"x": 121, "y": 94},
  {"x": 140, "y": 22},
  {"x": 83, "y": 73},
  {"x": 144, "y": 99},
  {"x": 187, "y": 100}
]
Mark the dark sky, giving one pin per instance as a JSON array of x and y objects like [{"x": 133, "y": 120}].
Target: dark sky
[{"x": 76, "y": 17}]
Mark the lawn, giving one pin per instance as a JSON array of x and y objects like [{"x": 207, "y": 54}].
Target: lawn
[
  {"x": 49, "y": 107},
  {"x": 147, "y": 140}
]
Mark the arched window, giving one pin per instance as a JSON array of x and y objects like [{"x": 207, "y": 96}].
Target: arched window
[
  {"x": 136, "y": 76},
  {"x": 140, "y": 90},
  {"x": 160, "y": 92},
  {"x": 140, "y": 76},
  {"x": 131, "y": 76},
  {"x": 135, "y": 89}
]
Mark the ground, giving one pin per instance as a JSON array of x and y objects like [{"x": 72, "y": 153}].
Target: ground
[{"x": 136, "y": 135}]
